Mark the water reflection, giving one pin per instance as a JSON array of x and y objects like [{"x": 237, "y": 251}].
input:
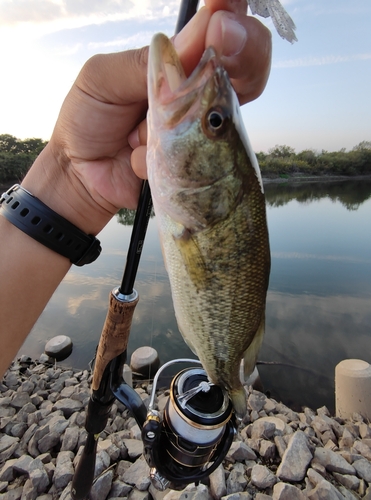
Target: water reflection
[{"x": 318, "y": 305}]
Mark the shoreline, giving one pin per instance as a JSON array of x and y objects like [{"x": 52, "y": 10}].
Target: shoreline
[
  {"x": 277, "y": 453},
  {"x": 313, "y": 178},
  {"x": 296, "y": 178}
]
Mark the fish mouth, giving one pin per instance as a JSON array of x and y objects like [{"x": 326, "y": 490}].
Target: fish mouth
[{"x": 168, "y": 85}]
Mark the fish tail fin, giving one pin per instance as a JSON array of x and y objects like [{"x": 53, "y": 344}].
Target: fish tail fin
[
  {"x": 251, "y": 353},
  {"x": 238, "y": 397}
]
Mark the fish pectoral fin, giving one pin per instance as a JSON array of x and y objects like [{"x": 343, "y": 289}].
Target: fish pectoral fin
[
  {"x": 251, "y": 353},
  {"x": 192, "y": 258}
]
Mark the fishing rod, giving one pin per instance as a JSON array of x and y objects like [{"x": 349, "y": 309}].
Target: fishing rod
[{"x": 108, "y": 382}]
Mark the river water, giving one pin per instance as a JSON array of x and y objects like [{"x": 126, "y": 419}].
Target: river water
[{"x": 318, "y": 303}]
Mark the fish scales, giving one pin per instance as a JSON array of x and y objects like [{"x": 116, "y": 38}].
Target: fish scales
[{"x": 210, "y": 208}]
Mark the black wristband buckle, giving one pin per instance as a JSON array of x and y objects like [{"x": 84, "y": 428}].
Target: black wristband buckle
[{"x": 37, "y": 220}]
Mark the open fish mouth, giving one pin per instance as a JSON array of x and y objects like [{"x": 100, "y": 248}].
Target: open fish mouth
[{"x": 170, "y": 88}]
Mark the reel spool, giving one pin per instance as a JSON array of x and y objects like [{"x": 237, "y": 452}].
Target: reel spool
[{"x": 195, "y": 433}]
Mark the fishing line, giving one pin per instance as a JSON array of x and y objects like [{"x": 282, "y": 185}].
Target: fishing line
[{"x": 153, "y": 304}]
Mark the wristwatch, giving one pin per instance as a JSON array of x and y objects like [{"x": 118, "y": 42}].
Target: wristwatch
[{"x": 37, "y": 220}]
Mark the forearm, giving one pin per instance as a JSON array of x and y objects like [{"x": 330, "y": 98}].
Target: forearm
[{"x": 30, "y": 273}]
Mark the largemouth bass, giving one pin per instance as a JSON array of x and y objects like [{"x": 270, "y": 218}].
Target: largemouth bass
[{"x": 209, "y": 203}]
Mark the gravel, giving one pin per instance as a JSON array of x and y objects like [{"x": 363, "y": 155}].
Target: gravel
[{"x": 277, "y": 453}]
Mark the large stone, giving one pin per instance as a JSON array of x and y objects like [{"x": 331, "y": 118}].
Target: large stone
[
  {"x": 59, "y": 347},
  {"x": 64, "y": 469},
  {"x": 363, "y": 468},
  {"x": 101, "y": 486},
  {"x": 138, "y": 475},
  {"x": 263, "y": 429},
  {"x": 284, "y": 491},
  {"x": 134, "y": 447},
  {"x": 236, "y": 482},
  {"x": 262, "y": 477},
  {"x": 296, "y": 459},
  {"x": 333, "y": 461},
  {"x": 145, "y": 361},
  {"x": 218, "y": 486},
  {"x": 68, "y": 406},
  {"x": 324, "y": 491},
  {"x": 240, "y": 451}
]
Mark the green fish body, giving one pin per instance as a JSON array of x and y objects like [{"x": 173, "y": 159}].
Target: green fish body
[{"x": 210, "y": 207}]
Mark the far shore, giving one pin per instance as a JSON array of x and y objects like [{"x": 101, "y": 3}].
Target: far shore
[{"x": 295, "y": 178}]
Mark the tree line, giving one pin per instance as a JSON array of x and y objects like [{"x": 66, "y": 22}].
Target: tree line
[
  {"x": 17, "y": 156},
  {"x": 282, "y": 161}
]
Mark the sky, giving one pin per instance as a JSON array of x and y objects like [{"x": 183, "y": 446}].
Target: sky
[{"x": 318, "y": 95}]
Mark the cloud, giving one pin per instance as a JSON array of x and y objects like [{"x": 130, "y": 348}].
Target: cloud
[
  {"x": 137, "y": 40},
  {"x": 320, "y": 61},
  {"x": 13, "y": 12}
]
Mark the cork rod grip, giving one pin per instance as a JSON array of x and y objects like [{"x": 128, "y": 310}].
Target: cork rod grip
[{"x": 115, "y": 335}]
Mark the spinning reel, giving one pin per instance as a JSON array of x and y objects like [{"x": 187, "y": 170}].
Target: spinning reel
[{"x": 195, "y": 433}]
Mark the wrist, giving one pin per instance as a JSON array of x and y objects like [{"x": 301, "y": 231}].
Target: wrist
[{"x": 52, "y": 180}]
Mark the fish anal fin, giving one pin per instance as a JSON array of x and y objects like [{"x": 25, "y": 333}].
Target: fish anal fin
[
  {"x": 251, "y": 353},
  {"x": 238, "y": 397}
]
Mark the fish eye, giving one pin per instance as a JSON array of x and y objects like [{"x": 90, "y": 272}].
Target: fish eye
[{"x": 215, "y": 119}]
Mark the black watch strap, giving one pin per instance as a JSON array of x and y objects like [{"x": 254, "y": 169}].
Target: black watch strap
[{"x": 40, "y": 222}]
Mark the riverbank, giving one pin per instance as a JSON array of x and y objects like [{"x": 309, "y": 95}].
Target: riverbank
[
  {"x": 277, "y": 453},
  {"x": 297, "y": 178},
  {"x": 292, "y": 178}
]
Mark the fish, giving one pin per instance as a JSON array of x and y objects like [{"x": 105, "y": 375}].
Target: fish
[{"x": 209, "y": 205}]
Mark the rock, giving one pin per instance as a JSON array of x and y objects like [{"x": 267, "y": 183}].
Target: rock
[
  {"x": 363, "y": 469},
  {"x": 134, "y": 447},
  {"x": 296, "y": 459},
  {"x": 218, "y": 486},
  {"x": 39, "y": 478},
  {"x": 138, "y": 495},
  {"x": 70, "y": 439},
  {"x": 236, "y": 482},
  {"x": 256, "y": 401},
  {"x": 138, "y": 475},
  {"x": 263, "y": 429},
  {"x": 244, "y": 495},
  {"x": 267, "y": 450},
  {"x": 283, "y": 491},
  {"x": 59, "y": 347},
  {"x": 48, "y": 442},
  {"x": 240, "y": 451},
  {"x": 20, "y": 400},
  {"x": 119, "y": 489},
  {"x": 64, "y": 470},
  {"x": 7, "y": 473},
  {"x": 324, "y": 491},
  {"x": 193, "y": 492},
  {"x": 102, "y": 462},
  {"x": 7, "y": 441},
  {"x": 101, "y": 486},
  {"x": 145, "y": 362},
  {"x": 333, "y": 461},
  {"x": 262, "y": 477},
  {"x": 68, "y": 406},
  {"x": 351, "y": 482}
]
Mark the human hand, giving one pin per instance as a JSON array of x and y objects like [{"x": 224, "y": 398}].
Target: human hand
[{"x": 89, "y": 169}]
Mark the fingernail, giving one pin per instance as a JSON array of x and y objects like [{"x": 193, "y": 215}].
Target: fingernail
[
  {"x": 233, "y": 36},
  {"x": 133, "y": 138}
]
